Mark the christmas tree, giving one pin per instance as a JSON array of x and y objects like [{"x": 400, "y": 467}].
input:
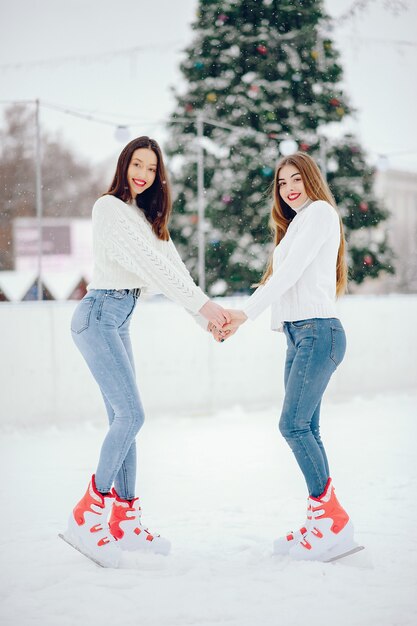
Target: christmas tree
[{"x": 261, "y": 73}]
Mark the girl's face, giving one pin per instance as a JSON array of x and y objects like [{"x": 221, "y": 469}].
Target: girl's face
[
  {"x": 291, "y": 187},
  {"x": 141, "y": 171}
]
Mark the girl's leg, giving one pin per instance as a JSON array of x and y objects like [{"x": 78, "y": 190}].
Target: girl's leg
[
  {"x": 315, "y": 420},
  {"x": 317, "y": 346},
  {"x": 283, "y": 544},
  {"x": 315, "y": 429},
  {"x": 125, "y": 481},
  {"x": 111, "y": 368},
  {"x": 97, "y": 326}
]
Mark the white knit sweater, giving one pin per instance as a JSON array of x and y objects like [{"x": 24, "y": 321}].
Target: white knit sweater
[
  {"x": 303, "y": 282},
  {"x": 128, "y": 254}
]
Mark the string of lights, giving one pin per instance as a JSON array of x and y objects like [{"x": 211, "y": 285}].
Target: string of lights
[
  {"x": 130, "y": 122},
  {"x": 107, "y": 57},
  {"x": 384, "y": 42},
  {"x": 98, "y": 57},
  {"x": 394, "y": 6},
  {"x": 87, "y": 115}
]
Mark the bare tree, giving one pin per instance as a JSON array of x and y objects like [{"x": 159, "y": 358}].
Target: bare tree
[{"x": 69, "y": 185}]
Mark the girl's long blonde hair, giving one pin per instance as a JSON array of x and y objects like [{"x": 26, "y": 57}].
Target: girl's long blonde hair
[{"x": 316, "y": 189}]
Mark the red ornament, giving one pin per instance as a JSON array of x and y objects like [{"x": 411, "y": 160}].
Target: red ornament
[
  {"x": 222, "y": 18},
  {"x": 262, "y": 49},
  {"x": 368, "y": 260},
  {"x": 189, "y": 107},
  {"x": 227, "y": 199},
  {"x": 364, "y": 207},
  {"x": 193, "y": 219},
  {"x": 253, "y": 90},
  {"x": 304, "y": 147},
  {"x": 272, "y": 136},
  {"x": 334, "y": 102}
]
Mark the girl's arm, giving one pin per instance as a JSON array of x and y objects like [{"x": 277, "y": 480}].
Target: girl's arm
[
  {"x": 130, "y": 248},
  {"x": 304, "y": 248}
]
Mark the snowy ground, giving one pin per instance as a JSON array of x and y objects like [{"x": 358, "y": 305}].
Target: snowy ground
[{"x": 221, "y": 488}]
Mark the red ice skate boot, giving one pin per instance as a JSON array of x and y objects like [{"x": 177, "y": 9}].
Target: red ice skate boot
[
  {"x": 330, "y": 532},
  {"x": 126, "y": 526},
  {"x": 88, "y": 530}
]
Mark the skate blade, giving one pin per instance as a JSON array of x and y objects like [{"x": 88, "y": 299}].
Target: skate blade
[
  {"x": 61, "y": 536},
  {"x": 344, "y": 554}
]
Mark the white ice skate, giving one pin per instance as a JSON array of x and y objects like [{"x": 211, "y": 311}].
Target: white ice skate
[
  {"x": 88, "y": 530},
  {"x": 330, "y": 534}
]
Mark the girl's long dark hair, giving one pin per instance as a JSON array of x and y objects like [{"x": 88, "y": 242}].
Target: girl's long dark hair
[{"x": 155, "y": 201}]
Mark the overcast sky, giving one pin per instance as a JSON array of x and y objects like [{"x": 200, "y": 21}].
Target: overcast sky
[{"x": 378, "y": 48}]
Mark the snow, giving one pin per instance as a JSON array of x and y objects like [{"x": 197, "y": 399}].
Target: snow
[{"x": 221, "y": 487}]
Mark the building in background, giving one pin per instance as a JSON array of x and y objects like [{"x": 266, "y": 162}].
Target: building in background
[
  {"x": 397, "y": 190},
  {"x": 66, "y": 244},
  {"x": 67, "y": 259}
]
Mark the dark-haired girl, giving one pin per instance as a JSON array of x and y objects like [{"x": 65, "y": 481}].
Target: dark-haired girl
[{"x": 133, "y": 255}]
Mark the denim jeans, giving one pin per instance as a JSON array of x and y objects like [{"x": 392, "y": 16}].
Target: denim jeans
[
  {"x": 100, "y": 329},
  {"x": 315, "y": 348}
]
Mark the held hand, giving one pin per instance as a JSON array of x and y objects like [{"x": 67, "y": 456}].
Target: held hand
[
  {"x": 220, "y": 335},
  {"x": 215, "y": 314},
  {"x": 237, "y": 318}
]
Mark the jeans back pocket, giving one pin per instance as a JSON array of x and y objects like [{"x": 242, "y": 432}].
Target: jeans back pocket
[
  {"x": 338, "y": 348},
  {"x": 81, "y": 317}
]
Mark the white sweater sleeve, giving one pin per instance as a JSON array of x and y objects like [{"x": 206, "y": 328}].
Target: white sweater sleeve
[
  {"x": 175, "y": 258},
  {"x": 128, "y": 246},
  {"x": 304, "y": 248}
]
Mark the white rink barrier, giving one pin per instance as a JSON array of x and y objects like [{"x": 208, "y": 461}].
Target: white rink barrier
[{"x": 182, "y": 371}]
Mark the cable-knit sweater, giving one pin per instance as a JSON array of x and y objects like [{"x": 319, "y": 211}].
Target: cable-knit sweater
[
  {"x": 303, "y": 281},
  {"x": 128, "y": 254}
]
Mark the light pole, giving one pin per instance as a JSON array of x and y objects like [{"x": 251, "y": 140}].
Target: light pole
[
  {"x": 39, "y": 198},
  {"x": 200, "y": 205}
]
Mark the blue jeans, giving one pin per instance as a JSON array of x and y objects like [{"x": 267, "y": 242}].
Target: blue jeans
[
  {"x": 315, "y": 347},
  {"x": 100, "y": 329}
]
